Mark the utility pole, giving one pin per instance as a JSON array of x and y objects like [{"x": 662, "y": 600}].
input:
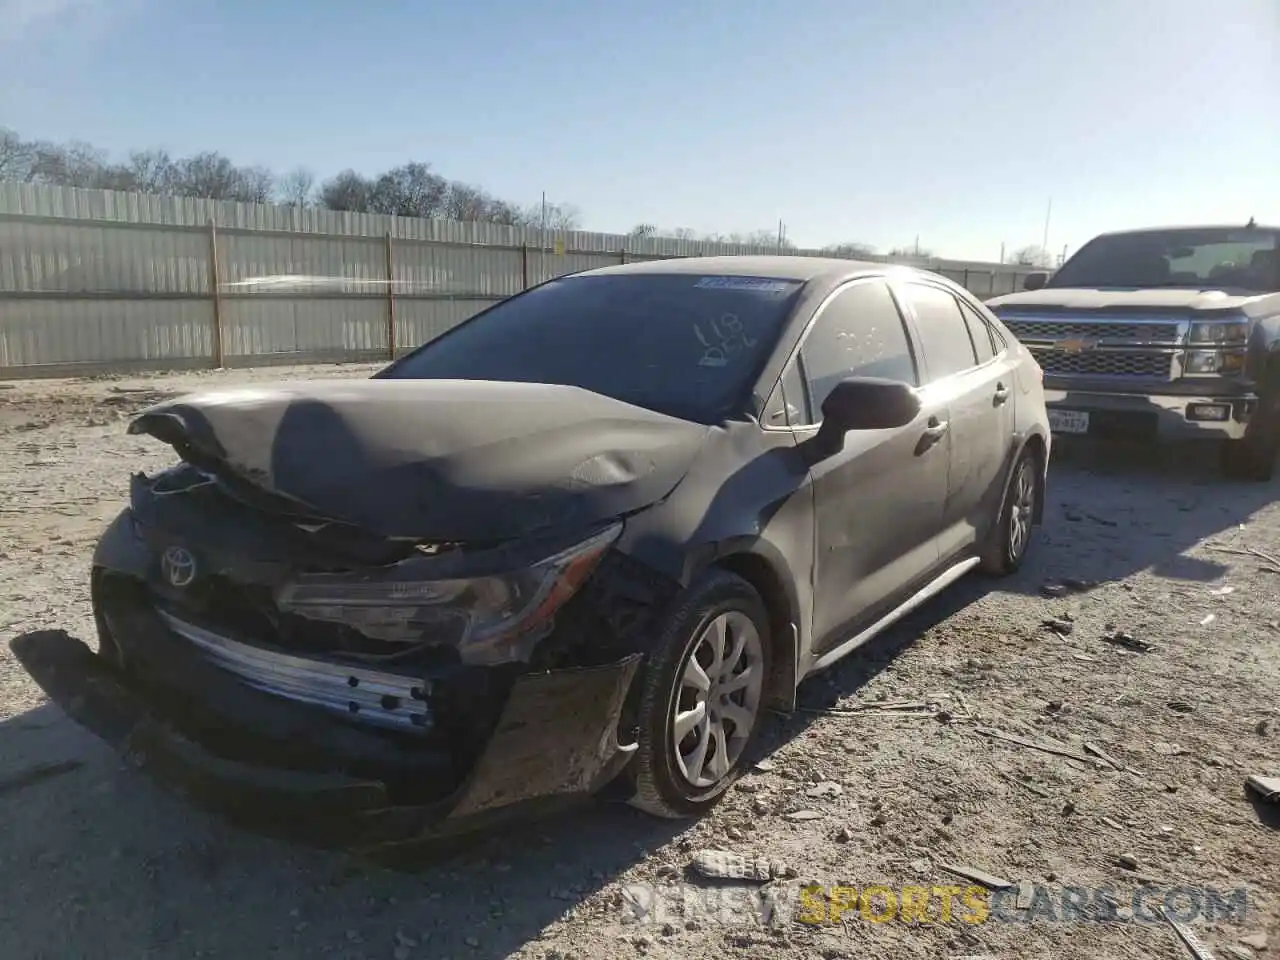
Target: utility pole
[
  {"x": 1044, "y": 245},
  {"x": 1002, "y": 251},
  {"x": 917, "y": 244},
  {"x": 542, "y": 242}
]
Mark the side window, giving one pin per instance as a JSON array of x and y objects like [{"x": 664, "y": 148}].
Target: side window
[
  {"x": 943, "y": 331},
  {"x": 858, "y": 334},
  {"x": 979, "y": 332},
  {"x": 787, "y": 406}
]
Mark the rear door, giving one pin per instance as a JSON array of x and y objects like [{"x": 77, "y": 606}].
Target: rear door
[
  {"x": 972, "y": 374},
  {"x": 878, "y": 502}
]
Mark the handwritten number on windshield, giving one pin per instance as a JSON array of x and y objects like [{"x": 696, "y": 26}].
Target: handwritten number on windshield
[{"x": 721, "y": 338}]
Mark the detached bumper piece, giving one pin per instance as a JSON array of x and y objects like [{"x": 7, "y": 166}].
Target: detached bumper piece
[{"x": 294, "y": 769}]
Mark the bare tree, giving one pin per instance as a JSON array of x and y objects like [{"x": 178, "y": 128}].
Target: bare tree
[
  {"x": 643, "y": 230},
  {"x": 297, "y": 187},
  {"x": 915, "y": 253},
  {"x": 347, "y": 191},
  {"x": 153, "y": 171},
  {"x": 214, "y": 176},
  {"x": 464, "y": 202},
  {"x": 1033, "y": 255},
  {"x": 15, "y": 156},
  {"x": 411, "y": 190},
  {"x": 850, "y": 251},
  {"x": 684, "y": 233}
]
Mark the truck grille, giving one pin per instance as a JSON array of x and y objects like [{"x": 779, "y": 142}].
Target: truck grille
[
  {"x": 1058, "y": 329},
  {"x": 1101, "y": 347},
  {"x": 1118, "y": 363}
]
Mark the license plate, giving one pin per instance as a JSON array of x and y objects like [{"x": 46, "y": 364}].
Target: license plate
[{"x": 1068, "y": 421}]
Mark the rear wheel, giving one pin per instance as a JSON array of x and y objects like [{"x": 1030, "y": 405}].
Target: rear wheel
[
  {"x": 703, "y": 698},
  {"x": 1011, "y": 536}
]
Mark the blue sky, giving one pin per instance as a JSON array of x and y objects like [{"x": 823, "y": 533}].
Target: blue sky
[{"x": 866, "y": 120}]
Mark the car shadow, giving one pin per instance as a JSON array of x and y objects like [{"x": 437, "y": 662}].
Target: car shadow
[
  {"x": 111, "y": 864},
  {"x": 1116, "y": 509}
]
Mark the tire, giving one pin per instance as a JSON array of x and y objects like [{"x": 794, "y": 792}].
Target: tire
[
  {"x": 1008, "y": 542},
  {"x": 665, "y": 776},
  {"x": 1252, "y": 459}
]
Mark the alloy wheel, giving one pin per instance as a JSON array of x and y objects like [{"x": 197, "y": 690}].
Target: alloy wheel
[{"x": 718, "y": 699}]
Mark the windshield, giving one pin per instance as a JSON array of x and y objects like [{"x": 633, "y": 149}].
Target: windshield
[
  {"x": 684, "y": 345},
  {"x": 1207, "y": 259}
]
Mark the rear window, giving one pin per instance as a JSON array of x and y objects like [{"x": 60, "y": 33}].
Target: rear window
[{"x": 686, "y": 345}]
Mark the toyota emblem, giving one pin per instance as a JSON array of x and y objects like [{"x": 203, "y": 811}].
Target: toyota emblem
[{"x": 178, "y": 566}]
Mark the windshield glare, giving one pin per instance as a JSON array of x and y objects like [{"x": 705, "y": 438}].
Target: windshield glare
[
  {"x": 1219, "y": 259},
  {"x": 686, "y": 345}
]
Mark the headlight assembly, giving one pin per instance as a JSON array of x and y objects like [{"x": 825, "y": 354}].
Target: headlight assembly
[{"x": 489, "y": 619}]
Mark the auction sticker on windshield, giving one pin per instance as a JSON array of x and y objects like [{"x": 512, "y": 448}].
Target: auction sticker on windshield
[
  {"x": 751, "y": 284},
  {"x": 1068, "y": 421}
]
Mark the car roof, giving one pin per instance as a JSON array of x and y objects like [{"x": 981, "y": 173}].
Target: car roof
[
  {"x": 1191, "y": 227},
  {"x": 802, "y": 269}
]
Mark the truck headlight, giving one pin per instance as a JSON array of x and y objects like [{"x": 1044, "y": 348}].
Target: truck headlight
[
  {"x": 489, "y": 619},
  {"x": 1225, "y": 331},
  {"x": 1213, "y": 362}
]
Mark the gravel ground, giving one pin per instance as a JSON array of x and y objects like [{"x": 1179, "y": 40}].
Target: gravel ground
[{"x": 99, "y": 862}]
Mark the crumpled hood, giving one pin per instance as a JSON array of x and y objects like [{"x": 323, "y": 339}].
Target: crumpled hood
[
  {"x": 443, "y": 460},
  {"x": 1164, "y": 300}
]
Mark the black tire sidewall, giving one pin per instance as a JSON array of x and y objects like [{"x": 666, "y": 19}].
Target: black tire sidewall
[
  {"x": 1010, "y": 563},
  {"x": 712, "y": 595}
]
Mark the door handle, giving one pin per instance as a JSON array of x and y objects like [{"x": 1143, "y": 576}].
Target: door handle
[
  {"x": 1002, "y": 394},
  {"x": 936, "y": 428}
]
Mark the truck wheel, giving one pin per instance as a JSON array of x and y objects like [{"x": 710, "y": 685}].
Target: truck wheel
[
  {"x": 703, "y": 698},
  {"x": 1252, "y": 459}
]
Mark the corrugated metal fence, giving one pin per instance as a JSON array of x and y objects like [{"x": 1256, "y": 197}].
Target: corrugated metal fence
[{"x": 93, "y": 281}]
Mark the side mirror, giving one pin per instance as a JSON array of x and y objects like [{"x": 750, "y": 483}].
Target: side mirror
[
  {"x": 1034, "y": 281},
  {"x": 865, "y": 403}
]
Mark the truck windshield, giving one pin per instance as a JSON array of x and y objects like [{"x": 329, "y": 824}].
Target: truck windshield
[
  {"x": 682, "y": 344},
  {"x": 1246, "y": 259}
]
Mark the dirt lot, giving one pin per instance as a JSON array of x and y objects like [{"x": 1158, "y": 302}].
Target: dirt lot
[{"x": 98, "y": 862}]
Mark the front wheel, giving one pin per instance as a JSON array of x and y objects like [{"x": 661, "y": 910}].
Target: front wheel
[
  {"x": 1253, "y": 458},
  {"x": 1011, "y": 535},
  {"x": 703, "y": 697}
]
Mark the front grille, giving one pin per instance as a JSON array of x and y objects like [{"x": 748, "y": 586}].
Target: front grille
[
  {"x": 1058, "y": 329},
  {"x": 1105, "y": 363}
]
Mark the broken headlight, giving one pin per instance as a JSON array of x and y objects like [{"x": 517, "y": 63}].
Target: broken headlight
[{"x": 489, "y": 619}]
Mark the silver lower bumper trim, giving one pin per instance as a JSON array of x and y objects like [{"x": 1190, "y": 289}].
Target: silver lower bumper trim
[
  {"x": 1171, "y": 410},
  {"x": 365, "y": 696}
]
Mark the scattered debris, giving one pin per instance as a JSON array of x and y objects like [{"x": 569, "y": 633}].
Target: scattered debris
[
  {"x": 843, "y": 835},
  {"x": 981, "y": 877},
  {"x": 1263, "y": 728},
  {"x": 1223, "y": 591},
  {"x": 1058, "y": 625},
  {"x": 1181, "y": 706},
  {"x": 1053, "y": 706},
  {"x": 37, "y": 774},
  {"x": 724, "y": 865},
  {"x": 1101, "y": 754},
  {"x": 1258, "y": 941},
  {"x": 1053, "y": 590},
  {"x": 827, "y": 788},
  {"x": 801, "y": 816},
  {"x": 1053, "y": 748},
  {"x": 1127, "y": 861},
  {"x": 1068, "y": 808},
  {"x": 764, "y": 766},
  {"x": 1028, "y": 787},
  {"x": 1208, "y": 619},
  {"x": 1084, "y": 658},
  {"x": 1107, "y": 821},
  {"x": 1026, "y": 894},
  {"x": 1169, "y": 749},
  {"x": 1123, "y": 638},
  {"x": 904, "y": 708},
  {"x": 1266, "y": 787},
  {"x": 1187, "y": 936}
]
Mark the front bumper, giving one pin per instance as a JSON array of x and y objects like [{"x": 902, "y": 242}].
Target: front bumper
[
  {"x": 555, "y": 743},
  {"x": 1142, "y": 416}
]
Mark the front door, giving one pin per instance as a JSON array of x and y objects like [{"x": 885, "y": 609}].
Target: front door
[{"x": 878, "y": 502}]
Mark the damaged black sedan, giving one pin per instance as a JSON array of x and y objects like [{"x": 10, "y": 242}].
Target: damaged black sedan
[{"x": 587, "y": 538}]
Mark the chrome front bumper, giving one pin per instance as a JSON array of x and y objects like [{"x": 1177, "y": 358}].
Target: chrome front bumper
[{"x": 1154, "y": 417}]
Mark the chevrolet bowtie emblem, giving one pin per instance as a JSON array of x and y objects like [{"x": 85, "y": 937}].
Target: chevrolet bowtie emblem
[{"x": 1077, "y": 345}]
